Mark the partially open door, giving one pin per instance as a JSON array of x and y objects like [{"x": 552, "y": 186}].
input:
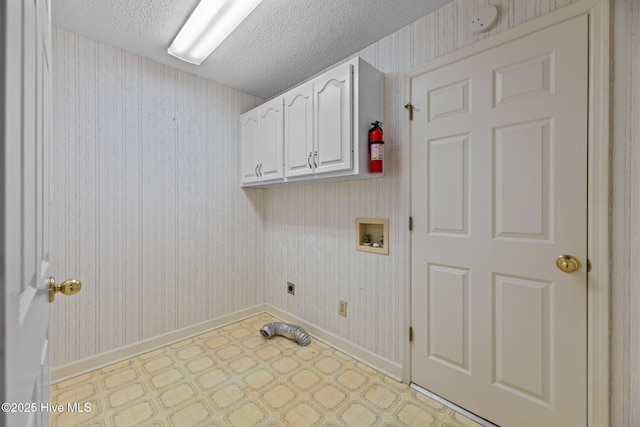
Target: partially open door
[{"x": 25, "y": 112}]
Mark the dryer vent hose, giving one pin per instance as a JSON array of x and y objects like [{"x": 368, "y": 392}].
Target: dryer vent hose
[{"x": 286, "y": 330}]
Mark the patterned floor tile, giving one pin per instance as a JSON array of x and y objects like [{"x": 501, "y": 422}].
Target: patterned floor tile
[
  {"x": 258, "y": 379},
  {"x": 358, "y": 414},
  {"x": 194, "y": 413},
  {"x": 212, "y": 378},
  {"x": 278, "y": 396},
  {"x": 302, "y": 414},
  {"x": 233, "y": 377},
  {"x": 166, "y": 378},
  {"x": 200, "y": 364},
  {"x": 329, "y": 397}
]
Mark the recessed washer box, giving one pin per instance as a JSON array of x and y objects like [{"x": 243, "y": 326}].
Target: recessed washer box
[{"x": 377, "y": 229}]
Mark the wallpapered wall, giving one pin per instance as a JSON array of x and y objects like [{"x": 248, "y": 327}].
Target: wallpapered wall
[
  {"x": 146, "y": 206},
  {"x": 625, "y": 254},
  {"x": 310, "y": 234},
  {"x": 147, "y": 209}
]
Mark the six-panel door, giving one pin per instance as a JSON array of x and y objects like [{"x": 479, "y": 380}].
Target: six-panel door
[{"x": 498, "y": 192}]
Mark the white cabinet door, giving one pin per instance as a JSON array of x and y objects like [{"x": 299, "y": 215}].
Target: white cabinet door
[
  {"x": 298, "y": 131},
  {"x": 249, "y": 146},
  {"x": 270, "y": 141},
  {"x": 332, "y": 109}
]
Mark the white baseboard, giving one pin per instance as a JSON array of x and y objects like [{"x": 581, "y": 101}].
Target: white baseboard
[
  {"x": 101, "y": 360},
  {"x": 387, "y": 367}
]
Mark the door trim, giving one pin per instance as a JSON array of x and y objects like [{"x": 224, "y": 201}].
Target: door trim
[{"x": 598, "y": 292}]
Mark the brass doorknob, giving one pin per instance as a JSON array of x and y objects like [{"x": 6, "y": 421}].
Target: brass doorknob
[
  {"x": 568, "y": 263},
  {"x": 68, "y": 287}
]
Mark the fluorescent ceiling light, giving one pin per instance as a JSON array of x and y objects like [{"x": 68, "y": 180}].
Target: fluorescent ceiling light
[{"x": 210, "y": 23}]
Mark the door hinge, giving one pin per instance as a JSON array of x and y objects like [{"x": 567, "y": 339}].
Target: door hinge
[
  {"x": 410, "y": 334},
  {"x": 409, "y": 107},
  {"x": 410, "y": 223}
]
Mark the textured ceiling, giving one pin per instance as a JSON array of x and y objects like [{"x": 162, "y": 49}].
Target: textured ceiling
[{"x": 281, "y": 43}]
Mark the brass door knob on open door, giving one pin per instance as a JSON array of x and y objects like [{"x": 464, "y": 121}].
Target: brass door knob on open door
[
  {"x": 568, "y": 263},
  {"x": 68, "y": 287}
]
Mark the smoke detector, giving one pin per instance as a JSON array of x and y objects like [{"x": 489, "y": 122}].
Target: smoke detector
[{"x": 484, "y": 18}]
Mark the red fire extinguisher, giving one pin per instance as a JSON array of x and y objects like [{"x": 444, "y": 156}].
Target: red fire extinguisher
[{"x": 376, "y": 148}]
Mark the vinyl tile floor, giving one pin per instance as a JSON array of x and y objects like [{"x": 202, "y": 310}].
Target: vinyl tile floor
[{"x": 232, "y": 376}]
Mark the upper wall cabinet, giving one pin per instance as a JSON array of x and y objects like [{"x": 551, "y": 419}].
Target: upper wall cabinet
[
  {"x": 262, "y": 144},
  {"x": 325, "y": 124}
]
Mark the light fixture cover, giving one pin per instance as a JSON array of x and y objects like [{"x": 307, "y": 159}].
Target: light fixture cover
[{"x": 210, "y": 23}]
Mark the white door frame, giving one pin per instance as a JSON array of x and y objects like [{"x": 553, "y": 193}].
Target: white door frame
[{"x": 598, "y": 293}]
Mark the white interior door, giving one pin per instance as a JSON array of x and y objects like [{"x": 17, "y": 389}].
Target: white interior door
[
  {"x": 498, "y": 192},
  {"x": 25, "y": 262}
]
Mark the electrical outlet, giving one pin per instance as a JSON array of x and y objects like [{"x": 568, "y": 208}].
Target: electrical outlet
[
  {"x": 342, "y": 308},
  {"x": 291, "y": 288}
]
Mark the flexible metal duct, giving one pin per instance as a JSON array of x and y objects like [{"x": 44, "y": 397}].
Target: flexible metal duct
[{"x": 286, "y": 330}]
